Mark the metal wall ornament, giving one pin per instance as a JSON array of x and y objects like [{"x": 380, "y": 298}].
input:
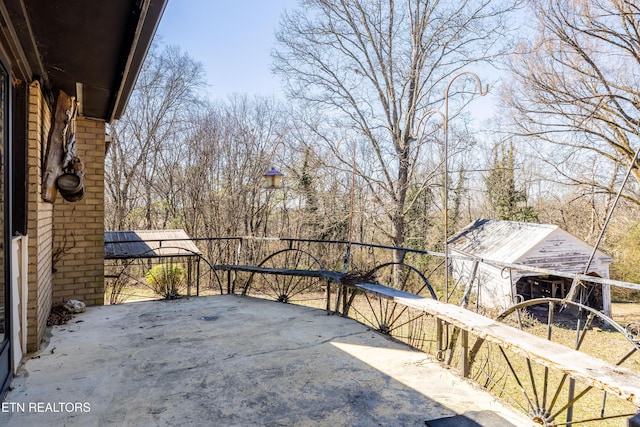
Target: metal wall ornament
[{"x": 70, "y": 183}]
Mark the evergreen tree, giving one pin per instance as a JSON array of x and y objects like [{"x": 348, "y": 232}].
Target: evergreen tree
[{"x": 506, "y": 201}]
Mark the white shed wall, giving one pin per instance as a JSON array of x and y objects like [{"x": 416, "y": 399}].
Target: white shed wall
[
  {"x": 560, "y": 251},
  {"x": 491, "y": 285}
]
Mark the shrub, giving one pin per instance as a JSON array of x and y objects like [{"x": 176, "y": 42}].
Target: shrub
[{"x": 166, "y": 280}]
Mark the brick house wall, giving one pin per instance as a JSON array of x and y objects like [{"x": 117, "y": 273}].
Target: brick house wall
[
  {"x": 79, "y": 226},
  {"x": 39, "y": 220},
  {"x": 66, "y": 240}
]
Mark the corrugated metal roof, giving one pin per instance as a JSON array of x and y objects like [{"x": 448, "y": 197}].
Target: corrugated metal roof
[
  {"x": 499, "y": 240},
  {"x": 148, "y": 244}
]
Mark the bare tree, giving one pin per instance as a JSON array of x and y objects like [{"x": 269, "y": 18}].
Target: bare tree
[
  {"x": 165, "y": 95},
  {"x": 577, "y": 91},
  {"x": 375, "y": 68},
  {"x": 215, "y": 188}
]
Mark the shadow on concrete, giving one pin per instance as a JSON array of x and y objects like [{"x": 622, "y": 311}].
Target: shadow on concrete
[
  {"x": 471, "y": 419},
  {"x": 233, "y": 361}
]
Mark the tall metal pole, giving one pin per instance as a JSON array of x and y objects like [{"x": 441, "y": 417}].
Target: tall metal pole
[
  {"x": 347, "y": 255},
  {"x": 446, "y": 171},
  {"x": 352, "y": 196}
]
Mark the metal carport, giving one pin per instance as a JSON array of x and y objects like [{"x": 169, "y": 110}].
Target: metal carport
[{"x": 129, "y": 254}]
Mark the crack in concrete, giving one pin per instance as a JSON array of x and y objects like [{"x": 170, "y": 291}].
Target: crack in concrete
[{"x": 304, "y": 347}]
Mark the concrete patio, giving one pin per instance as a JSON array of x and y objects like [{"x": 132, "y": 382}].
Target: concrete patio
[{"x": 237, "y": 361}]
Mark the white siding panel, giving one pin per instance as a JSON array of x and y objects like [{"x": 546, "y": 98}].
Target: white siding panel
[{"x": 563, "y": 252}]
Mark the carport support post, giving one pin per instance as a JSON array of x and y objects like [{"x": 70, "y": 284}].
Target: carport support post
[
  {"x": 198, "y": 278},
  {"x": 189, "y": 275}
]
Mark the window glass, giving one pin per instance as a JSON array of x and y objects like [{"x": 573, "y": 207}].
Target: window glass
[{"x": 4, "y": 307}]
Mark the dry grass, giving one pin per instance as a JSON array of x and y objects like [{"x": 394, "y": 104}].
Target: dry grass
[
  {"x": 626, "y": 312},
  {"x": 135, "y": 291}
]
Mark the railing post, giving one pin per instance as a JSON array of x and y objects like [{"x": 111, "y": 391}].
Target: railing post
[
  {"x": 328, "y": 295},
  {"x": 439, "y": 340},
  {"x": 451, "y": 343},
  {"x": 466, "y": 368},
  {"x": 340, "y": 292},
  {"x": 344, "y": 300}
]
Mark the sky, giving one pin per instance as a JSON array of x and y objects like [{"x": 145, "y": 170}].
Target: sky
[{"x": 232, "y": 39}]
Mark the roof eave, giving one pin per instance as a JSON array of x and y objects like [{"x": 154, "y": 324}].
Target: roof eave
[{"x": 143, "y": 37}]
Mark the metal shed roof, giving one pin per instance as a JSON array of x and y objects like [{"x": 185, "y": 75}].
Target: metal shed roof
[
  {"x": 505, "y": 241},
  {"x": 148, "y": 244}
]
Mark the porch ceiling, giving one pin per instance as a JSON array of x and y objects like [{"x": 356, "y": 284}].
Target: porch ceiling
[{"x": 100, "y": 44}]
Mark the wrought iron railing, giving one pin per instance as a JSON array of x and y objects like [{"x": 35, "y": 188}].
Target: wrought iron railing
[{"x": 559, "y": 360}]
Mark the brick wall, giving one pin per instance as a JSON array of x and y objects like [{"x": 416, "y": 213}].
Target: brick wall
[
  {"x": 72, "y": 234},
  {"x": 79, "y": 226},
  {"x": 40, "y": 220}
]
